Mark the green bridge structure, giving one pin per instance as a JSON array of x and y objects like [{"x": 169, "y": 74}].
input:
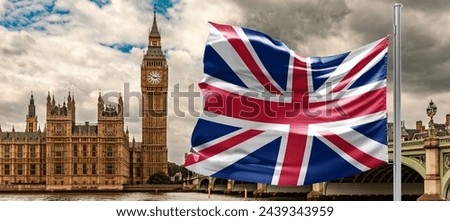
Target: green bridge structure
[{"x": 425, "y": 176}]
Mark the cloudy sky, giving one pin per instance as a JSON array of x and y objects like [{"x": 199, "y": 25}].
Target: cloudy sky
[{"x": 89, "y": 45}]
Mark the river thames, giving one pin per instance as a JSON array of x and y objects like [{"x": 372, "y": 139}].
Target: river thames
[
  {"x": 171, "y": 196},
  {"x": 123, "y": 196}
]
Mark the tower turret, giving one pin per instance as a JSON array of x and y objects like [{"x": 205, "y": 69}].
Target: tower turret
[
  {"x": 154, "y": 87},
  {"x": 154, "y": 40},
  {"x": 31, "y": 118}
]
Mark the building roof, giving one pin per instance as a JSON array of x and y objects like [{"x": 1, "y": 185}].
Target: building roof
[
  {"x": 154, "y": 31},
  {"x": 154, "y": 51},
  {"x": 136, "y": 145},
  {"x": 23, "y": 135},
  {"x": 415, "y": 134},
  {"x": 85, "y": 128}
]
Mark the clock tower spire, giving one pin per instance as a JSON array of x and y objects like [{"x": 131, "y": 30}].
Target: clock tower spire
[
  {"x": 154, "y": 31},
  {"x": 31, "y": 116},
  {"x": 154, "y": 84},
  {"x": 154, "y": 40}
]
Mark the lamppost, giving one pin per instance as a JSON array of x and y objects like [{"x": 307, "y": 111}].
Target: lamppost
[
  {"x": 432, "y": 182},
  {"x": 431, "y": 111}
]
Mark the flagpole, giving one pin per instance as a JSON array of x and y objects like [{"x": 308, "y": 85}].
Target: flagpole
[{"x": 397, "y": 189}]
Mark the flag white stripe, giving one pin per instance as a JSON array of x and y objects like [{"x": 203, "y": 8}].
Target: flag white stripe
[
  {"x": 228, "y": 157},
  {"x": 316, "y": 98},
  {"x": 363, "y": 143},
  {"x": 255, "y": 56},
  {"x": 306, "y": 157},
  {"x": 278, "y": 129},
  {"x": 310, "y": 78},
  {"x": 223, "y": 47},
  {"x": 265, "y": 96},
  {"x": 218, "y": 140},
  {"x": 290, "y": 71},
  {"x": 343, "y": 124},
  {"x": 280, "y": 159},
  {"x": 367, "y": 67},
  {"x": 309, "y": 138},
  {"x": 349, "y": 63},
  {"x": 341, "y": 153}
]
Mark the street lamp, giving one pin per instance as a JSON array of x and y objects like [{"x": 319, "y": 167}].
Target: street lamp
[{"x": 431, "y": 111}]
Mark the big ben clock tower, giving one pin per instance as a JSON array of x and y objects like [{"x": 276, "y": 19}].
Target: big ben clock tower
[{"x": 154, "y": 83}]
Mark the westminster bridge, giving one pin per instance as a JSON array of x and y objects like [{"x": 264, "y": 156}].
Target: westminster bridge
[{"x": 377, "y": 182}]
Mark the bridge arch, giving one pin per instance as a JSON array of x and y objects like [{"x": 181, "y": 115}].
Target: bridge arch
[
  {"x": 415, "y": 165},
  {"x": 219, "y": 184},
  {"x": 446, "y": 185},
  {"x": 240, "y": 186},
  {"x": 377, "y": 183},
  {"x": 204, "y": 184}
]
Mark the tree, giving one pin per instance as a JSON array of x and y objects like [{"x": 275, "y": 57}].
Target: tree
[
  {"x": 159, "y": 178},
  {"x": 174, "y": 168}
]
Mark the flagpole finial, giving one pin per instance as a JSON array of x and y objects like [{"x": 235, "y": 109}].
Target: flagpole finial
[{"x": 397, "y": 4}]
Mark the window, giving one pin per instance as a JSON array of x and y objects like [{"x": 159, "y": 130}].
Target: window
[
  {"x": 84, "y": 150},
  {"x": 44, "y": 169},
  {"x": 6, "y": 151},
  {"x": 30, "y": 127},
  {"x": 138, "y": 171},
  {"x": 58, "y": 129},
  {"x": 32, "y": 151},
  {"x": 154, "y": 43},
  {"x": 84, "y": 169},
  {"x": 93, "y": 150},
  {"x": 109, "y": 169},
  {"x": 109, "y": 130},
  {"x": 58, "y": 168},
  {"x": 109, "y": 150},
  {"x": 19, "y": 170},
  {"x": 94, "y": 169},
  {"x": 139, "y": 157},
  {"x": 59, "y": 150},
  {"x": 19, "y": 151},
  {"x": 75, "y": 151},
  {"x": 75, "y": 169},
  {"x": 32, "y": 169},
  {"x": 6, "y": 167}
]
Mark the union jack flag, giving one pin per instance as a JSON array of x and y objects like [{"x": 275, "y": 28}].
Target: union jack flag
[{"x": 273, "y": 116}]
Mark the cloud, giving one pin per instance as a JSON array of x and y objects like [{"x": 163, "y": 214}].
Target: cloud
[
  {"x": 70, "y": 56},
  {"x": 101, "y": 3},
  {"x": 304, "y": 26},
  {"x": 184, "y": 37},
  {"x": 2, "y": 6},
  {"x": 84, "y": 54},
  {"x": 29, "y": 14},
  {"x": 87, "y": 48},
  {"x": 425, "y": 43}
]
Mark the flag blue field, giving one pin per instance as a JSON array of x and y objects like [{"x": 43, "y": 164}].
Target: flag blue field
[{"x": 273, "y": 116}]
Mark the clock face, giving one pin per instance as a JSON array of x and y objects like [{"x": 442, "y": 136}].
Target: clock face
[{"x": 154, "y": 77}]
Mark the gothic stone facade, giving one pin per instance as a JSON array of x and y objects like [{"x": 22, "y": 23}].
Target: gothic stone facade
[
  {"x": 70, "y": 156},
  {"x": 23, "y": 154},
  {"x": 150, "y": 156},
  {"x": 86, "y": 156},
  {"x": 67, "y": 156}
]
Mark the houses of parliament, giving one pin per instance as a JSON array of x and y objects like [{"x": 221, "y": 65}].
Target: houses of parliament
[{"x": 66, "y": 155}]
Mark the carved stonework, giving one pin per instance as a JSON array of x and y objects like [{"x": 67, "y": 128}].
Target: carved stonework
[
  {"x": 446, "y": 162},
  {"x": 419, "y": 158},
  {"x": 154, "y": 87}
]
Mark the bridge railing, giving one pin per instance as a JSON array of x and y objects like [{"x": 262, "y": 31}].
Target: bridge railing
[
  {"x": 444, "y": 141},
  {"x": 413, "y": 144}
]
